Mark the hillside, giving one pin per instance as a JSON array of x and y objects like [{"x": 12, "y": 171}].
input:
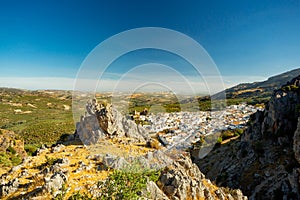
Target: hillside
[
  {"x": 261, "y": 89},
  {"x": 38, "y": 117},
  {"x": 264, "y": 163}
]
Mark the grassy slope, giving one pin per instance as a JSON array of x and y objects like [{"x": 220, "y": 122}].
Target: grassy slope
[{"x": 45, "y": 123}]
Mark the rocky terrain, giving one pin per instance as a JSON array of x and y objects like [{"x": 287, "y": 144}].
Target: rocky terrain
[
  {"x": 118, "y": 160},
  {"x": 264, "y": 162}
]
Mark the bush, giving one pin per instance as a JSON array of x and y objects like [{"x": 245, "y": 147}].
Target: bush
[
  {"x": 239, "y": 131},
  {"x": 16, "y": 160},
  {"x": 8, "y": 160},
  {"x": 219, "y": 140},
  {"x": 227, "y": 134},
  {"x": 78, "y": 196},
  {"x": 30, "y": 149},
  {"x": 127, "y": 183},
  {"x": 294, "y": 87},
  {"x": 4, "y": 159},
  {"x": 11, "y": 150},
  {"x": 50, "y": 161},
  {"x": 287, "y": 88}
]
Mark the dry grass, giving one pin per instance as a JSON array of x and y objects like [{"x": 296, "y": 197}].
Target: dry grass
[{"x": 77, "y": 180}]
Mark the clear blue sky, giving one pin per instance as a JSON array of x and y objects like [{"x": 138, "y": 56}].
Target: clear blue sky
[{"x": 255, "y": 38}]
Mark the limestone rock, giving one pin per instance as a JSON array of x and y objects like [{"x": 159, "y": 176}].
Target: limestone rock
[
  {"x": 114, "y": 162},
  {"x": 154, "y": 192},
  {"x": 9, "y": 188},
  {"x": 55, "y": 183},
  {"x": 101, "y": 122}
]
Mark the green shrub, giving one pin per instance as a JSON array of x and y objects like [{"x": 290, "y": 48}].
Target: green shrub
[
  {"x": 127, "y": 183},
  {"x": 219, "y": 140},
  {"x": 236, "y": 134},
  {"x": 239, "y": 131},
  {"x": 1, "y": 133},
  {"x": 50, "y": 161},
  {"x": 294, "y": 87},
  {"x": 288, "y": 88},
  {"x": 78, "y": 196},
  {"x": 11, "y": 150},
  {"x": 30, "y": 149},
  {"x": 4, "y": 159},
  {"x": 62, "y": 194},
  {"x": 227, "y": 134},
  {"x": 8, "y": 159},
  {"x": 16, "y": 160}
]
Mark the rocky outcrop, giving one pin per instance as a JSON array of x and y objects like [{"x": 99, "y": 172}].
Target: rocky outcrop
[
  {"x": 264, "y": 162},
  {"x": 154, "y": 192},
  {"x": 105, "y": 121},
  {"x": 183, "y": 180}
]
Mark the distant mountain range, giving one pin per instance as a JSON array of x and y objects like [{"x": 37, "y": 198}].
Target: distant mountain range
[{"x": 261, "y": 89}]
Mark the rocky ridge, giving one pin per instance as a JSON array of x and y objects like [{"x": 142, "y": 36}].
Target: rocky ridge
[{"x": 264, "y": 163}]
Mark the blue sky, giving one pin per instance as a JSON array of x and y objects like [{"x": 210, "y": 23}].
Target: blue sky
[{"x": 248, "y": 40}]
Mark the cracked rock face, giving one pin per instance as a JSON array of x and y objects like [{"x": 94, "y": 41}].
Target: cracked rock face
[{"x": 106, "y": 121}]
